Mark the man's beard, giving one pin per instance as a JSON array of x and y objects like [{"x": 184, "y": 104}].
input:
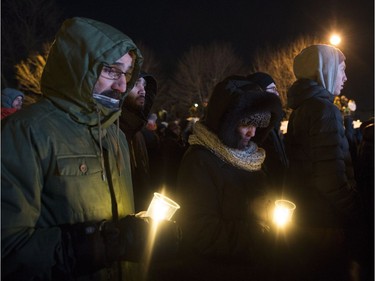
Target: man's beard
[
  {"x": 110, "y": 99},
  {"x": 132, "y": 104}
]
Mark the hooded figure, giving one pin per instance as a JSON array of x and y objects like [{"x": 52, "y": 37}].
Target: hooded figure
[
  {"x": 262, "y": 79},
  {"x": 276, "y": 162},
  {"x": 220, "y": 185},
  {"x": 132, "y": 120},
  {"x": 321, "y": 178},
  {"x": 11, "y": 101},
  {"x": 66, "y": 164}
]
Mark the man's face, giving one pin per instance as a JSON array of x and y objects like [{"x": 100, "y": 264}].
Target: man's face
[
  {"x": 246, "y": 132},
  {"x": 136, "y": 97},
  {"x": 17, "y": 103},
  {"x": 340, "y": 79},
  {"x": 112, "y": 82}
]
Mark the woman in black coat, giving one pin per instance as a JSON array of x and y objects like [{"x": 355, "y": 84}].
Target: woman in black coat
[{"x": 222, "y": 189}]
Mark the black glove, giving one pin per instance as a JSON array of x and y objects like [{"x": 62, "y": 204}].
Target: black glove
[
  {"x": 83, "y": 249},
  {"x": 88, "y": 247},
  {"x": 142, "y": 238}
]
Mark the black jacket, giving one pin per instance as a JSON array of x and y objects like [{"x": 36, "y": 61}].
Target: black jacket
[
  {"x": 222, "y": 239},
  {"x": 131, "y": 123},
  {"x": 321, "y": 177}
]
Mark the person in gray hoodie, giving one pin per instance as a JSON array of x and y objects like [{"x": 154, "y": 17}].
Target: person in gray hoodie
[{"x": 321, "y": 176}]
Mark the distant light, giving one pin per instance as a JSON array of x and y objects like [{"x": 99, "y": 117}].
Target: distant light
[
  {"x": 195, "y": 105},
  {"x": 335, "y": 39}
]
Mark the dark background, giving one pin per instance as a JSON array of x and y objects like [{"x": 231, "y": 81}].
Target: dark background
[{"x": 171, "y": 27}]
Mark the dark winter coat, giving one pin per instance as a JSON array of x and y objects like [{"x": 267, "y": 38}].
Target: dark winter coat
[
  {"x": 276, "y": 162},
  {"x": 321, "y": 177},
  {"x": 131, "y": 123},
  {"x": 51, "y": 162},
  {"x": 218, "y": 215}
]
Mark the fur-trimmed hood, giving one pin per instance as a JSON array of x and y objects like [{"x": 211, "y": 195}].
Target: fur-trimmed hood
[{"x": 236, "y": 98}]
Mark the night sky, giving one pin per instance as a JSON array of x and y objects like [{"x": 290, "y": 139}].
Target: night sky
[{"x": 171, "y": 27}]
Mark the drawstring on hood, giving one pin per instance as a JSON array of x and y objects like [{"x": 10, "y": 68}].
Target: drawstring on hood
[
  {"x": 118, "y": 154},
  {"x": 101, "y": 149}
]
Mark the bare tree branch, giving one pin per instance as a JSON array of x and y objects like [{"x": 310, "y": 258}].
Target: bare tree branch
[
  {"x": 25, "y": 26},
  {"x": 278, "y": 62},
  {"x": 199, "y": 70}
]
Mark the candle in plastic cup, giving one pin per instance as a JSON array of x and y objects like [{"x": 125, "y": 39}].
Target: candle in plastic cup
[
  {"x": 283, "y": 212},
  {"x": 161, "y": 207}
]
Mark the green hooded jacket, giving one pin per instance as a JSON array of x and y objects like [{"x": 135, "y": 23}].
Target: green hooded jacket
[{"x": 63, "y": 157}]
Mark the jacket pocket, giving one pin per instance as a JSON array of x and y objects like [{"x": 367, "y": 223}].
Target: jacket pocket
[{"x": 78, "y": 165}]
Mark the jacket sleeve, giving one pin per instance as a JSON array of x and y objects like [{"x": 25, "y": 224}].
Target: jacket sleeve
[
  {"x": 34, "y": 250},
  {"x": 332, "y": 168}
]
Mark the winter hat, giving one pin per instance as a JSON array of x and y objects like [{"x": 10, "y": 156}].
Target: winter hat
[
  {"x": 8, "y": 95},
  {"x": 259, "y": 120},
  {"x": 320, "y": 64},
  {"x": 237, "y": 100},
  {"x": 262, "y": 79}
]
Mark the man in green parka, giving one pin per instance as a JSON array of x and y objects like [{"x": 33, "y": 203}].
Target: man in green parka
[{"x": 67, "y": 198}]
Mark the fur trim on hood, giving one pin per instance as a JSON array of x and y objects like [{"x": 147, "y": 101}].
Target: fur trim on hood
[{"x": 234, "y": 99}]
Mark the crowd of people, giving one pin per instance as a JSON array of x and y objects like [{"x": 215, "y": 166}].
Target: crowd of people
[{"x": 80, "y": 166}]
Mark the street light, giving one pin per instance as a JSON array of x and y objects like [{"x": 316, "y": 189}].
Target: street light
[{"x": 335, "y": 39}]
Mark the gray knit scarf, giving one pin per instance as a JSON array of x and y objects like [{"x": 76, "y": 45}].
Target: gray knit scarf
[{"x": 250, "y": 159}]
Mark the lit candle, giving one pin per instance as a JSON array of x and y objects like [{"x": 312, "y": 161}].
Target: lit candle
[
  {"x": 161, "y": 207},
  {"x": 283, "y": 212}
]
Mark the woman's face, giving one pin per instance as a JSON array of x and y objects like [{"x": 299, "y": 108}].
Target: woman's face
[
  {"x": 340, "y": 79},
  {"x": 246, "y": 132}
]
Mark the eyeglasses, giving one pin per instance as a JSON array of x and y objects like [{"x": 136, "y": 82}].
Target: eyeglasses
[{"x": 113, "y": 73}]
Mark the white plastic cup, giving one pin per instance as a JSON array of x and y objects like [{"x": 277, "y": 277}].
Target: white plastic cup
[
  {"x": 161, "y": 207},
  {"x": 283, "y": 212}
]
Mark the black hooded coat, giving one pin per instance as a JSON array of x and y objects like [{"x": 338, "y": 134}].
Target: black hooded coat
[
  {"x": 131, "y": 123},
  {"x": 220, "y": 202}
]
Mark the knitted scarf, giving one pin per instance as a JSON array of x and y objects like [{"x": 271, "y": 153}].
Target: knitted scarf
[{"x": 250, "y": 159}]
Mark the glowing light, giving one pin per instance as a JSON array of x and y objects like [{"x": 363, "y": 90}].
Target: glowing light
[
  {"x": 357, "y": 124},
  {"x": 283, "y": 212},
  {"x": 161, "y": 207},
  {"x": 352, "y": 105},
  {"x": 284, "y": 127},
  {"x": 195, "y": 105},
  {"x": 335, "y": 39}
]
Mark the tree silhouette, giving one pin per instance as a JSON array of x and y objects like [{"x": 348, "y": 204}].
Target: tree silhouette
[
  {"x": 278, "y": 62},
  {"x": 29, "y": 73},
  {"x": 150, "y": 63},
  {"x": 25, "y": 26},
  {"x": 199, "y": 70}
]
